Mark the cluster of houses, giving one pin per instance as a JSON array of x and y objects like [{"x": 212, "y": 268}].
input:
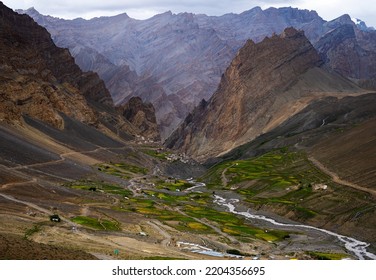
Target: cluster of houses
[
  {"x": 318, "y": 187},
  {"x": 143, "y": 140},
  {"x": 179, "y": 157}
]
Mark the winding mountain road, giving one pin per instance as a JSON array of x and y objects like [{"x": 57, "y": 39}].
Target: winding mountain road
[{"x": 338, "y": 180}]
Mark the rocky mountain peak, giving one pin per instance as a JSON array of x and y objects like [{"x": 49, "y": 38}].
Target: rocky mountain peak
[
  {"x": 342, "y": 20},
  {"x": 32, "y": 11},
  {"x": 256, "y": 93},
  {"x": 349, "y": 51}
]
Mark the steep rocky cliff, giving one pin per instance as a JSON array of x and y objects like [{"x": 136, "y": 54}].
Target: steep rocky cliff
[
  {"x": 29, "y": 82},
  {"x": 41, "y": 80},
  {"x": 265, "y": 84}
]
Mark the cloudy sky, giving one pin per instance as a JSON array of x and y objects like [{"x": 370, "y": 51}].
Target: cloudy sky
[{"x": 141, "y": 9}]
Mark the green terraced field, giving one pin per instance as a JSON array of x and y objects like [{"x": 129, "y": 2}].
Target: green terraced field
[
  {"x": 98, "y": 224},
  {"x": 100, "y": 187},
  {"x": 284, "y": 180}
]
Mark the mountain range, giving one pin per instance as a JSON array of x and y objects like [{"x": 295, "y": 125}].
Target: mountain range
[
  {"x": 266, "y": 84},
  {"x": 176, "y": 60}
]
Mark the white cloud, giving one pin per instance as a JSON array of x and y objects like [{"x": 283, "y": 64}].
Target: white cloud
[{"x": 328, "y": 9}]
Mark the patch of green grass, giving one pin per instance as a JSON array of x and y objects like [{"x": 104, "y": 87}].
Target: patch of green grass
[
  {"x": 29, "y": 232},
  {"x": 276, "y": 169},
  {"x": 233, "y": 225},
  {"x": 157, "y": 154},
  {"x": 278, "y": 177},
  {"x": 266, "y": 168},
  {"x": 95, "y": 223},
  {"x": 180, "y": 198},
  {"x": 159, "y": 258},
  {"x": 174, "y": 185},
  {"x": 156, "y": 209},
  {"x": 100, "y": 187},
  {"x": 122, "y": 170},
  {"x": 327, "y": 256},
  {"x": 114, "y": 171},
  {"x": 304, "y": 213},
  {"x": 113, "y": 189},
  {"x": 132, "y": 168},
  {"x": 245, "y": 230},
  {"x": 269, "y": 200}
]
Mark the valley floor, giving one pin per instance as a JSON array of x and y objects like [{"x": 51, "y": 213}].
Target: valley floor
[{"x": 122, "y": 202}]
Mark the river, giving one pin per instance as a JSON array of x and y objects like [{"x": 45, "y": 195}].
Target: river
[{"x": 358, "y": 248}]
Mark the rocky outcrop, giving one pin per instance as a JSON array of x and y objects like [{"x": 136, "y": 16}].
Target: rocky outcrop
[
  {"x": 142, "y": 116},
  {"x": 265, "y": 84}
]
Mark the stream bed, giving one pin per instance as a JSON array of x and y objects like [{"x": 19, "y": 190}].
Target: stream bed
[{"x": 354, "y": 246}]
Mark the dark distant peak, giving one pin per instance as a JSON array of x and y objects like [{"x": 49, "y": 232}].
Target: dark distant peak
[
  {"x": 344, "y": 19},
  {"x": 119, "y": 16},
  {"x": 292, "y": 10},
  {"x": 37, "y": 16},
  {"x": 338, "y": 22},
  {"x": 31, "y": 12},
  {"x": 163, "y": 15},
  {"x": 187, "y": 15},
  {"x": 256, "y": 9},
  {"x": 186, "y": 18},
  {"x": 123, "y": 17},
  {"x": 252, "y": 11},
  {"x": 295, "y": 13}
]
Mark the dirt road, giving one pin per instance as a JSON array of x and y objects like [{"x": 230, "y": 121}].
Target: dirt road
[{"x": 338, "y": 180}]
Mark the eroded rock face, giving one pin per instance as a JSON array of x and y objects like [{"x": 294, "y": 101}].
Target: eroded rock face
[
  {"x": 41, "y": 80},
  {"x": 142, "y": 115},
  {"x": 256, "y": 93},
  {"x": 349, "y": 51}
]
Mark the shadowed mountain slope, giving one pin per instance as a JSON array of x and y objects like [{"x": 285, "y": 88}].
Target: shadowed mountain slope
[{"x": 41, "y": 80}]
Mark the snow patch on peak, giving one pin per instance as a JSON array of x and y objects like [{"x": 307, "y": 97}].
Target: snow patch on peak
[
  {"x": 361, "y": 24},
  {"x": 356, "y": 20}
]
